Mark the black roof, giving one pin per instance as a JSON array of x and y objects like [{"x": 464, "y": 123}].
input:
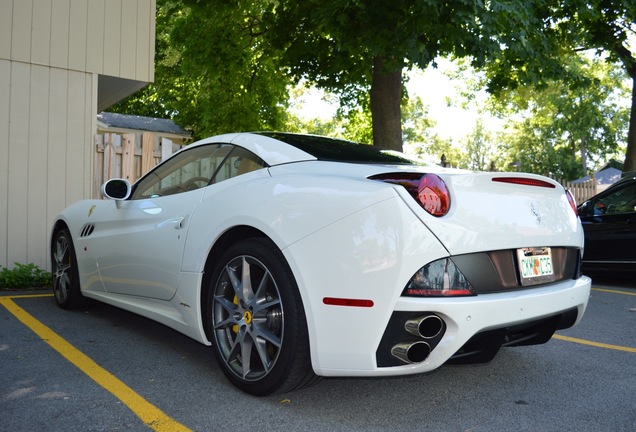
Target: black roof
[{"x": 339, "y": 150}]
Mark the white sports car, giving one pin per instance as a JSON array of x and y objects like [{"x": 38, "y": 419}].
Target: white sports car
[{"x": 298, "y": 256}]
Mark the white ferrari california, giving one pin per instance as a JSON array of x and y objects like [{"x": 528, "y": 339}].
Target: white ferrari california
[{"x": 299, "y": 256}]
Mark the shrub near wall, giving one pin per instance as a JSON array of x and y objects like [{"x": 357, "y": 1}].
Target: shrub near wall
[{"x": 24, "y": 276}]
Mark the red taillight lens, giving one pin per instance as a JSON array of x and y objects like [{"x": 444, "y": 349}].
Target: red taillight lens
[
  {"x": 429, "y": 190},
  {"x": 572, "y": 201},
  {"x": 433, "y": 194},
  {"x": 440, "y": 278},
  {"x": 524, "y": 181}
]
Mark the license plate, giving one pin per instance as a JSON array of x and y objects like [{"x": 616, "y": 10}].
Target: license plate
[{"x": 535, "y": 265}]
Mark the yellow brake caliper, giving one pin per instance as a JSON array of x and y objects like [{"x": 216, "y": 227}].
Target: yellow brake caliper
[{"x": 235, "y": 327}]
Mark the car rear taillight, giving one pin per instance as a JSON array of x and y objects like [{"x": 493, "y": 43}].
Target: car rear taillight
[
  {"x": 440, "y": 278},
  {"x": 572, "y": 201},
  {"x": 429, "y": 190},
  {"x": 433, "y": 195}
]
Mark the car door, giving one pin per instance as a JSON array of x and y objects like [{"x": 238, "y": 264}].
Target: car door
[
  {"x": 610, "y": 227},
  {"x": 146, "y": 233}
]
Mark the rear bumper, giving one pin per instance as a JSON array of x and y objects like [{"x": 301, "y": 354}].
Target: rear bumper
[{"x": 467, "y": 318}]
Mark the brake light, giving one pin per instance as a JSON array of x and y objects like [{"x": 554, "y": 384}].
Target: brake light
[
  {"x": 524, "y": 181},
  {"x": 572, "y": 201},
  {"x": 433, "y": 195},
  {"x": 429, "y": 190}
]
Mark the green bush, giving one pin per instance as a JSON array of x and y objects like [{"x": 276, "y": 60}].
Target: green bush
[{"x": 24, "y": 276}]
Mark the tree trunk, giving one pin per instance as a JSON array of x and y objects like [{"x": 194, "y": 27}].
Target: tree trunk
[
  {"x": 630, "y": 154},
  {"x": 386, "y": 112},
  {"x": 583, "y": 153}
]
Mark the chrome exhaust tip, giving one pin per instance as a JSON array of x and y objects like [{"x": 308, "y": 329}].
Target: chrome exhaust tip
[
  {"x": 427, "y": 327},
  {"x": 411, "y": 352}
]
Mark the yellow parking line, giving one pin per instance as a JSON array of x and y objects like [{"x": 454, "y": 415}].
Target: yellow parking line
[
  {"x": 148, "y": 413},
  {"x": 599, "y": 344},
  {"x": 595, "y": 344},
  {"x": 29, "y": 296},
  {"x": 614, "y": 291}
]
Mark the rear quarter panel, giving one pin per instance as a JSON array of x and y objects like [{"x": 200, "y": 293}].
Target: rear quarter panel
[{"x": 285, "y": 208}]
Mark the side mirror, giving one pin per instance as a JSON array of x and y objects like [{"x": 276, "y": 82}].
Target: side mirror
[
  {"x": 586, "y": 210},
  {"x": 116, "y": 189}
]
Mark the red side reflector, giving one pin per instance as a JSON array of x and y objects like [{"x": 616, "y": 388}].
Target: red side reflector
[
  {"x": 333, "y": 301},
  {"x": 524, "y": 181}
]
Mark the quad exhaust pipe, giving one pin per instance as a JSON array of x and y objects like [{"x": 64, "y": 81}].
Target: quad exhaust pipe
[
  {"x": 411, "y": 352},
  {"x": 426, "y": 327}
]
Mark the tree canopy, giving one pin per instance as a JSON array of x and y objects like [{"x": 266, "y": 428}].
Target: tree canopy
[
  {"x": 214, "y": 71},
  {"x": 229, "y": 65},
  {"x": 556, "y": 127},
  {"x": 361, "y": 49}
]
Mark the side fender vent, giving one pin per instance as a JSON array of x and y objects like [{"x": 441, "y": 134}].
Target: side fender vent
[{"x": 87, "y": 230}]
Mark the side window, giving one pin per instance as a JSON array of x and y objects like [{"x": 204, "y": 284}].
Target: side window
[
  {"x": 195, "y": 168},
  {"x": 240, "y": 161},
  {"x": 621, "y": 201}
]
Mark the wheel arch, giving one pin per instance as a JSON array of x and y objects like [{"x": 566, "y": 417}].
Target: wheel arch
[
  {"x": 297, "y": 374},
  {"x": 227, "y": 239},
  {"x": 58, "y": 225}
]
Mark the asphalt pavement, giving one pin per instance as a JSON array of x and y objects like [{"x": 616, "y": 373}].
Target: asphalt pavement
[{"x": 105, "y": 369}]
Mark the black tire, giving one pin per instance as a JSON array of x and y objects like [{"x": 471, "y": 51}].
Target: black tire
[
  {"x": 66, "y": 286},
  {"x": 257, "y": 321}
]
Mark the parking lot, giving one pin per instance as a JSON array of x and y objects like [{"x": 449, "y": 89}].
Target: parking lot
[{"x": 107, "y": 370}]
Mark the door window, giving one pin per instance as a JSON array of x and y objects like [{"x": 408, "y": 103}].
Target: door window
[
  {"x": 195, "y": 168},
  {"x": 621, "y": 201}
]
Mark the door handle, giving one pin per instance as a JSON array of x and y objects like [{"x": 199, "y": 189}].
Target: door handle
[{"x": 180, "y": 222}]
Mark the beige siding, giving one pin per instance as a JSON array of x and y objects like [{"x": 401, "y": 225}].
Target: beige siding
[
  {"x": 6, "y": 18},
  {"x": 46, "y": 162},
  {"x": 79, "y": 150},
  {"x": 37, "y": 165},
  {"x": 5, "y": 104},
  {"x": 128, "y": 39},
  {"x": 95, "y": 36},
  {"x": 52, "y": 53},
  {"x": 145, "y": 69},
  {"x": 41, "y": 36},
  {"x": 18, "y": 161},
  {"x": 114, "y": 37},
  {"x": 60, "y": 21},
  {"x": 21, "y": 35},
  {"x": 112, "y": 34},
  {"x": 78, "y": 33}
]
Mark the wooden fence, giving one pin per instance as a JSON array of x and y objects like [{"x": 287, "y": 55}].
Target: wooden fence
[
  {"x": 128, "y": 156},
  {"x": 581, "y": 191}
]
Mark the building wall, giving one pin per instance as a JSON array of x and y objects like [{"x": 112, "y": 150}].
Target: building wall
[
  {"x": 52, "y": 53},
  {"x": 47, "y": 119},
  {"x": 107, "y": 37}
]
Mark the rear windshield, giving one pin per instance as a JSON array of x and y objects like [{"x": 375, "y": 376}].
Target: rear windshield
[{"x": 338, "y": 150}]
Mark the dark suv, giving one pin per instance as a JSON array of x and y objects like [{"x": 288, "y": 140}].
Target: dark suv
[{"x": 609, "y": 222}]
